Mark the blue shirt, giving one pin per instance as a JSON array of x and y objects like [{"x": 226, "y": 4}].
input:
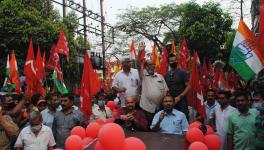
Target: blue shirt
[
  {"x": 48, "y": 117},
  {"x": 210, "y": 111},
  {"x": 174, "y": 123}
]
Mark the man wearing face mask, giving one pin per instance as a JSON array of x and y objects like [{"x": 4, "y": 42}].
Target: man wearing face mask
[
  {"x": 178, "y": 83},
  {"x": 169, "y": 120},
  {"x": 8, "y": 129},
  {"x": 100, "y": 111},
  {"x": 48, "y": 113},
  {"x": 153, "y": 86},
  {"x": 36, "y": 136},
  {"x": 10, "y": 107}
]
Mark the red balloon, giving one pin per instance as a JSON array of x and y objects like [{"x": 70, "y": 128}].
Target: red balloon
[
  {"x": 194, "y": 135},
  {"x": 197, "y": 146},
  {"x": 100, "y": 122},
  {"x": 133, "y": 143},
  {"x": 111, "y": 105},
  {"x": 110, "y": 120},
  {"x": 87, "y": 140},
  {"x": 99, "y": 146},
  {"x": 111, "y": 136},
  {"x": 78, "y": 130},
  {"x": 195, "y": 124},
  {"x": 115, "y": 113},
  {"x": 209, "y": 129},
  {"x": 213, "y": 142},
  {"x": 92, "y": 129},
  {"x": 73, "y": 142}
]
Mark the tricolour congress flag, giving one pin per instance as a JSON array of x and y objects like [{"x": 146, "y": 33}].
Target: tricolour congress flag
[{"x": 245, "y": 56}]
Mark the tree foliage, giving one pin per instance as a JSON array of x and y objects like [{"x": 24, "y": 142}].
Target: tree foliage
[
  {"x": 22, "y": 19},
  {"x": 205, "y": 27},
  {"x": 149, "y": 22}
]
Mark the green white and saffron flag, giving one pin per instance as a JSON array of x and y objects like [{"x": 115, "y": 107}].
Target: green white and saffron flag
[
  {"x": 59, "y": 84},
  {"x": 245, "y": 56},
  {"x": 8, "y": 86}
]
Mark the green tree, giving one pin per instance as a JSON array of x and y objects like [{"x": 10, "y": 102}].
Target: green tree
[
  {"x": 150, "y": 22},
  {"x": 22, "y": 19},
  {"x": 205, "y": 27}
]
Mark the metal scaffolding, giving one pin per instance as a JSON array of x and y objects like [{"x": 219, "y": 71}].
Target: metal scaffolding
[{"x": 85, "y": 15}]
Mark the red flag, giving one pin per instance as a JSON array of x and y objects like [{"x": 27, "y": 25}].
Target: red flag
[
  {"x": 133, "y": 53},
  {"x": 204, "y": 80},
  {"x": 261, "y": 26},
  {"x": 29, "y": 70},
  {"x": 54, "y": 63},
  {"x": 173, "y": 47},
  {"x": 109, "y": 73},
  {"x": 155, "y": 57},
  {"x": 184, "y": 57},
  {"x": 90, "y": 85},
  {"x": 58, "y": 67},
  {"x": 223, "y": 84},
  {"x": 14, "y": 75},
  {"x": 40, "y": 71},
  {"x": 62, "y": 46},
  {"x": 51, "y": 62},
  {"x": 164, "y": 61},
  {"x": 216, "y": 79},
  {"x": 195, "y": 95},
  {"x": 233, "y": 79},
  {"x": 104, "y": 85},
  {"x": 44, "y": 59},
  {"x": 40, "y": 74}
]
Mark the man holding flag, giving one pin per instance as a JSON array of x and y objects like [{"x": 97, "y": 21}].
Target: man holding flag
[{"x": 154, "y": 87}]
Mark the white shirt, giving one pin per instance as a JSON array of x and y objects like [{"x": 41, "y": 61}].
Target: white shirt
[
  {"x": 29, "y": 141},
  {"x": 130, "y": 82},
  {"x": 102, "y": 115},
  {"x": 221, "y": 119}
]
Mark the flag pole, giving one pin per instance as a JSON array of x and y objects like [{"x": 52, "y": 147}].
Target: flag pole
[{"x": 241, "y": 9}]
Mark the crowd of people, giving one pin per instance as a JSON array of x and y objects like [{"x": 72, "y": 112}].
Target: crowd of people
[{"x": 145, "y": 100}]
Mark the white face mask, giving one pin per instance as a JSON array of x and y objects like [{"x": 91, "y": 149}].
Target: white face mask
[
  {"x": 36, "y": 128},
  {"x": 258, "y": 105}
]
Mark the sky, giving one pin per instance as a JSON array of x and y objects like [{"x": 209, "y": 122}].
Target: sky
[{"x": 114, "y": 7}]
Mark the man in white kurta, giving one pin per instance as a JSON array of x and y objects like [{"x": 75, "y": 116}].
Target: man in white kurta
[
  {"x": 221, "y": 117},
  {"x": 126, "y": 82}
]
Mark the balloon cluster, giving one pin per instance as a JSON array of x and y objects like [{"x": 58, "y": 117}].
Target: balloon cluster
[
  {"x": 112, "y": 106},
  {"x": 108, "y": 136},
  {"x": 202, "y": 141}
]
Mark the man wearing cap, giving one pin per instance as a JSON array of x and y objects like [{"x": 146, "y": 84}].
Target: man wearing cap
[
  {"x": 41, "y": 104},
  {"x": 126, "y": 81}
]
